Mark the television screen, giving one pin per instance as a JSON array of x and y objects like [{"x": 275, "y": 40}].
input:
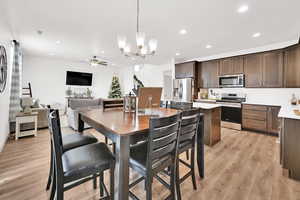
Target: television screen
[{"x": 79, "y": 78}]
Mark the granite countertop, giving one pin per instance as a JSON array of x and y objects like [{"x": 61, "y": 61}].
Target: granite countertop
[{"x": 205, "y": 105}]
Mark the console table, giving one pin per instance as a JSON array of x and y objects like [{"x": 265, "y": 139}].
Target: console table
[
  {"x": 22, "y": 118},
  {"x": 70, "y": 98}
]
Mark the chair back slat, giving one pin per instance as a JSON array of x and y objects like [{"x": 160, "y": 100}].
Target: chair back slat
[
  {"x": 163, "y": 138},
  {"x": 164, "y": 131},
  {"x": 163, "y": 151},
  {"x": 187, "y": 136},
  {"x": 189, "y": 125},
  {"x": 156, "y": 123},
  {"x": 163, "y": 141},
  {"x": 188, "y": 128}
]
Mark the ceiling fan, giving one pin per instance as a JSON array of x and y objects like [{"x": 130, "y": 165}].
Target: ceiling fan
[{"x": 95, "y": 61}]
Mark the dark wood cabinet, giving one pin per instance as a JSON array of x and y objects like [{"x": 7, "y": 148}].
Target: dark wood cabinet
[
  {"x": 254, "y": 117},
  {"x": 209, "y": 74},
  {"x": 292, "y": 67},
  {"x": 185, "y": 70},
  {"x": 272, "y": 69},
  {"x": 253, "y": 67},
  {"x": 261, "y": 118},
  {"x": 273, "y": 121},
  {"x": 233, "y": 65}
]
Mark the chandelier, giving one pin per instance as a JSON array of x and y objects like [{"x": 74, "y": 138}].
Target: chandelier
[{"x": 142, "y": 50}]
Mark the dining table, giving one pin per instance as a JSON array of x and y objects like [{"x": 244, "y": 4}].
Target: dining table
[{"x": 125, "y": 129}]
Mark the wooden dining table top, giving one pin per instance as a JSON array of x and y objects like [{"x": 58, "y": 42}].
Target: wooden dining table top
[{"x": 122, "y": 123}]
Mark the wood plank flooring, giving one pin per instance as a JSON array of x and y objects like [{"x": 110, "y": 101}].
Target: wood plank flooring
[{"x": 243, "y": 166}]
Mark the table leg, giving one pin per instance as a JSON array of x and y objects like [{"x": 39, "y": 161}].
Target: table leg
[
  {"x": 200, "y": 148},
  {"x": 122, "y": 168},
  {"x": 80, "y": 124}
]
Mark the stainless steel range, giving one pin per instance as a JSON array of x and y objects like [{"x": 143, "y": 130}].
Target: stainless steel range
[{"x": 231, "y": 115}]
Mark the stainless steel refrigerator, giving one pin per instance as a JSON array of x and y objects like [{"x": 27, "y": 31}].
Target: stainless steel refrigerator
[{"x": 183, "y": 90}]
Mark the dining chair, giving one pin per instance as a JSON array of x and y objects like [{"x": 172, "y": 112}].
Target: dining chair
[
  {"x": 181, "y": 106},
  {"x": 78, "y": 165},
  {"x": 159, "y": 152},
  {"x": 187, "y": 140},
  {"x": 69, "y": 141}
]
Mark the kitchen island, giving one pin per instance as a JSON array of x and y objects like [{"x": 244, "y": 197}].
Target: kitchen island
[
  {"x": 212, "y": 122},
  {"x": 290, "y": 141}
]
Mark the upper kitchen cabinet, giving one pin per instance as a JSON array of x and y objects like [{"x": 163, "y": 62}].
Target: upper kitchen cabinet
[
  {"x": 233, "y": 65},
  {"x": 272, "y": 69},
  {"x": 292, "y": 67},
  {"x": 253, "y": 68},
  {"x": 185, "y": 70},
  {"x": 209, "y": 74}
]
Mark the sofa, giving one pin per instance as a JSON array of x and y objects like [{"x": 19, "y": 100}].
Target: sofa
[{"x": 77, "y": 105}]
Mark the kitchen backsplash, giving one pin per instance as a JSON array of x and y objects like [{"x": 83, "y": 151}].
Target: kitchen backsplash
[{"x": 267, "y": 96}]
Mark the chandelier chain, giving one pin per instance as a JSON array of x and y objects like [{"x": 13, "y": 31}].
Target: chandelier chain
[{"x": 137, "y": 15}]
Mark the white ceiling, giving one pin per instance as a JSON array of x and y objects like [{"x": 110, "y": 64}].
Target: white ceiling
[{"x": 87, "y": 27}]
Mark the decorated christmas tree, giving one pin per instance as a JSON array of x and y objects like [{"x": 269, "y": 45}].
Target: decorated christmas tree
[{"x": 115, "y": 89}]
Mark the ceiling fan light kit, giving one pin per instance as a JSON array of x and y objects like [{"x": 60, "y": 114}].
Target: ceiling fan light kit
[{"x": 142, "y": 50}]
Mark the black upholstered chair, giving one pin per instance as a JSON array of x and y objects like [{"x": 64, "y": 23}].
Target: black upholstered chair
[
  {"x": 78, "y": 165},
  {"x": 159, "y": 152},
  {"x": 70, "y": 141},
  {"x": 187, "y": 141}
]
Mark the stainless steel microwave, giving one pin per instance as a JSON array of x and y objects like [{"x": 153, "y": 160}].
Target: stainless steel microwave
[{"x": 232, "y": 81}]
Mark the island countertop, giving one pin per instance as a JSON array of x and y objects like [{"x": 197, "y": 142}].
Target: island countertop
[
  {"x": 288, "y": 112},
  {"x": 206, "y": 106}
]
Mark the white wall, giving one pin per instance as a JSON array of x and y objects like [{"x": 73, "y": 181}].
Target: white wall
[
  {"x": 267, "y": 96},
  {"x": 150, "y": 75},
  {"x": 48, "y": 78},
  {"x": 4, "y": 100}
]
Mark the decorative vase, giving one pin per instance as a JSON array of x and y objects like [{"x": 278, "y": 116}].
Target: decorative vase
[
  {"x": 69, "y": 92},
  {"x": 129, "y": 104}
]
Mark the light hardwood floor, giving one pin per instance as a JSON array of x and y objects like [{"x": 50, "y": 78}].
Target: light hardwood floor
[{"x": 242, "y": 166}]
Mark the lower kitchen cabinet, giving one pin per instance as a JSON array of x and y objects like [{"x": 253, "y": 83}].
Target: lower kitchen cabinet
[
  {"x": 261, "y": 118},
  {"x": 272, "y": 120},
  {"x": 289, "y": 147}
]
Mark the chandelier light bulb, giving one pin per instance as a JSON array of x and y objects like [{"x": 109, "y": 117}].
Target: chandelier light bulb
[
  {"x": 127, "y": 49},
  {"x": 152, "y": 45},
  {"x": 136, "y": 68},
  {"x": 122, "y": 42},
  {"x": 144, "y": 50},
  {"x": 140, "y": 39}
]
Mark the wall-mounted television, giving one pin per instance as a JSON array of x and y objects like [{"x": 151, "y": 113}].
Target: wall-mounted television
[{"x": 79, "y": 78}]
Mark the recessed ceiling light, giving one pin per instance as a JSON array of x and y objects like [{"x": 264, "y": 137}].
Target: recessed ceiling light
[
  {"x": 182, "y": 32},
  {"x": 255, "y": 35},
  {"x": 243, "y": 8},
  {"x": 58, "y": 42},
  {"x": 208, "y": 46},
  {"x": 177, "y": 54},
  {"x": 102, "y": 51}
]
